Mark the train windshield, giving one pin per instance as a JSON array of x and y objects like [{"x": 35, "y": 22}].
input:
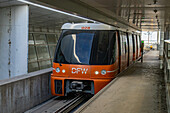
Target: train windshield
[{"x": 84, "y": 47}]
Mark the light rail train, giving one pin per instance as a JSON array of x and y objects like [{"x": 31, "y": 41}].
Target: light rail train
[{"x": 89, "y": 55}]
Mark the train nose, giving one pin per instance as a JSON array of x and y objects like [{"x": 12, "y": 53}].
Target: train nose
[{"x": 77, "y": 85}]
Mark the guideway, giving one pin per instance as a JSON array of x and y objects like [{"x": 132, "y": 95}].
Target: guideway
[{"x": 140, "y": 89}]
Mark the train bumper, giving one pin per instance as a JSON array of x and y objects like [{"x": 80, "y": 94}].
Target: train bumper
[{"x": 61, "y": 86}]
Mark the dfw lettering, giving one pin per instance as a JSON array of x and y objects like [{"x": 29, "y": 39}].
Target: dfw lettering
[{"x": 79, "y": 70}]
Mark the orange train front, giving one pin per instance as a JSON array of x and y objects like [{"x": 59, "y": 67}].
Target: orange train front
[{"x": 87, "y": 58}]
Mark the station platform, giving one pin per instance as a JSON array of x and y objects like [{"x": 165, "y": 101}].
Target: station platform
[{"x": 140, "y": 89}]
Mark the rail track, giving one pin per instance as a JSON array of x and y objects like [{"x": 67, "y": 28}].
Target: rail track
[
  {"x": 72, "y": 104},
  {"x": 60, "y": 104}
]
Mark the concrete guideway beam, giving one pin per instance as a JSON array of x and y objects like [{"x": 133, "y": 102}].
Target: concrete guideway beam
[
  {"x": 81, "y": 9},
  {"x": 13, "y": 41}
]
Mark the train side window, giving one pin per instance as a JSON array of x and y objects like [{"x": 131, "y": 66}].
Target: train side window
[
  {"x": 134, "y": 44},
  {"x": 123, "y": 40},
  {"x": 121, "y": 44},
  {"x": 130, "y": 43},
  {"x": 113, "y": 47},
  {"x": 102, "y": 48},
  {"x": 139, "y": 42}
]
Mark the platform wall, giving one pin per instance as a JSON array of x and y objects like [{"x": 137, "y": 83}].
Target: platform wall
[{"x": 21, "y": 93}]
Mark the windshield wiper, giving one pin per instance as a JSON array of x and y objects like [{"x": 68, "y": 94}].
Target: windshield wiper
[{"x": 60, "y": 63}]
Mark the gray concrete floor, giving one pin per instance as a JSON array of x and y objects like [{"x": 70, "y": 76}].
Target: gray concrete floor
[{"x": 140, "y": 90}]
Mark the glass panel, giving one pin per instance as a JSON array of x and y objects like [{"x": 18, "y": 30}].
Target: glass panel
[
  {"x": 122, "y": 44},
  {"x": 75, "y": 47},
  {"x": 101, "y": 57},
  {"x": 40, "y": 39},
  {"x": 130, "y": 44},
  {"x": 134, "y": 43},
  {"x": 32, "y": 54},
  {"x": 43, "y": 52},
  {"x": 52, "y": 50},
  {"x": 113, "y": 45},
  {"x": 33, "y": 67},
  {"x": 31, "y": 41},
  {"x": 45, "y": 64},
  {"x": 125, "y": 42},
  {"x": 138, "y": 42},
  {"x": 52, "y": 39}
]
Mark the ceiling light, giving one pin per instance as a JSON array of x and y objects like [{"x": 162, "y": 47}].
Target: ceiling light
[
  {"x": 155, "y": 1},
  {"x": 155, "y": 10},
  {"x": 156, "y": 16}
]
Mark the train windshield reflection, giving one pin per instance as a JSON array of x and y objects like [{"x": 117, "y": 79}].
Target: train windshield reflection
[{"x": 84, "y": 47}]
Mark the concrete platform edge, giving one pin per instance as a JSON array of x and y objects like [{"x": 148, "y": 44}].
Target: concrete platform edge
[{"x": 101, "y": 91}]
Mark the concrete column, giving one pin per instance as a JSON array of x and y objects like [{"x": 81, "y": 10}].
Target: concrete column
[
  {"x": 13, "y": 41},
  {"x": 161, "y": 48}
]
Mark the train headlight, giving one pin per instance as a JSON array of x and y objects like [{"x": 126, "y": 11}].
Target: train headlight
[
  {"x": 63, "y": 70},
  {"x": 103, "y": 72},
  {"x": 96, "y": 72},
  {"x": 57, "y": 69}
]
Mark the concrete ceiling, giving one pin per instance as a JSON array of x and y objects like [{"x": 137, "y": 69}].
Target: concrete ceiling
[
  {"x": 147, "y": 14},
  {"x": 144, "y": 14},
  {"x": 6, "y": 3},
  {"x": 43, "y": 18}
]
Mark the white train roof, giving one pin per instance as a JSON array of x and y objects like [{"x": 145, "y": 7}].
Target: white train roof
[{"x": 88, "y": 26}]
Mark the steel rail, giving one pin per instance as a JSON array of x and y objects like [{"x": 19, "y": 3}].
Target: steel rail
[
  {"x": 72, "y": 104},
  {"x": 59, "y": 105}
]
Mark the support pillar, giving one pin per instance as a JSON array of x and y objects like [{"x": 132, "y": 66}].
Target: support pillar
[
  {"x": 13, "y": 41},
  {"x": 161, "y": 48}
]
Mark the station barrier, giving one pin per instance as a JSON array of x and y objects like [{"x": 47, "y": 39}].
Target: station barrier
[{"x": 23, "y": 92}]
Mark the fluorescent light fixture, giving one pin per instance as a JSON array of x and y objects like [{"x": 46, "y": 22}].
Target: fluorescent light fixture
[
  {"x": 55, "y": 10},
  {"x": 138, "y": 31}
]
